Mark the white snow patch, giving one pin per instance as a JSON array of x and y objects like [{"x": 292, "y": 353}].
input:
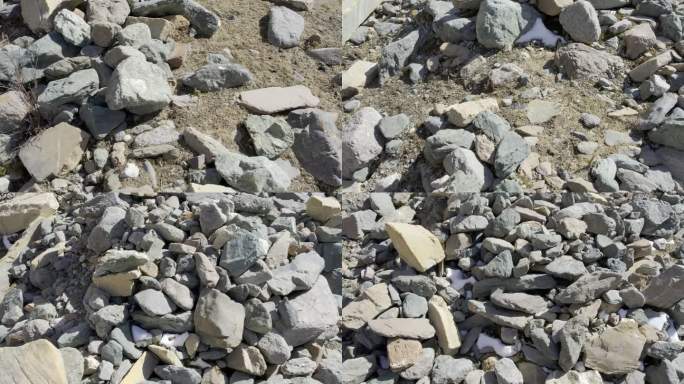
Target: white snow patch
[
  {"x": 173, "y": 340},
  {"x": 539, "y": 32},
  {"x": 486, "y": 343},
  {"x": 140, "y": 334},
  {"x": 458, "y": 279},
  {"x": 131, "y": 171}
]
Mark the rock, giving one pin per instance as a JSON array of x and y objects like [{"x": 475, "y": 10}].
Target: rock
[
  {"x": 360, "y": 142},
  {"x": 251, "y": 174},
  {"x": 580, "y": 21},
  {"x": 241, "y": 251},
  {"x": 665, "y": 289},
  {"x": 285, "y": 27},
  {"x": 510, "y": 153},
  {"x": 178, "y": 293},
  {"x": 73, "y": 89},
  {"x": 466, "y": 173},
  {"x": 218, "y": 320},
  {"x": 101, "y": 120},
  {"x": 507, "y": 74},
  {"x": 178, "y": 375},
  {"x": 500, "y": 22},
  {"x": 616, "y": 350},
  {"x": 448, "y": 370},
  {"x": 402, "y": 328},
  {"x": 518, "y": 301},
  {"x": 552, "y": 7},
  {"x": 55, "y": 151},
  {"x": 454, "y": 29},
  {"x": 442, "y": 143},
  {"x": 300, "y": 274},
  {"x": 638, "y": 40},
  {"x": 268, "y": 101},
  {"x": 507, "y": 372},
  {"x": 360, "y": 74},
  {"x": 394, "y": 126},
  {"x": 38, "y": 14},
  {"x": 307, "y": 315},
  {"x": 110, "y": 11},
  {"x": 214, "y": 77},
  {"x": 34, "y": 362},
  {"x": 274, "y": 348},
  {"x": 205, "y": 22},
  {"x": 330, "y": 56},
  {"x": 14, "y": 108},
  {"x": 74, "y": 29},
  {"x": 540, "y": 111},
  {"x": 463, "y": 114},
  {"x": 506, "y": 318},
  {"x": 579, "y": 61},
  {"x": 574, "y": 377},
  {"x": 319, "y": 149},
  {"x": 416, "y": 246},
  {"x": 368, "y": 305},
  {"x": 589, "y": 120},
  {"x": 442, "y": 319},
  {"x": 271, "y": 136},
  {"x": 203, "y": 144},
  {"x": 247, "y": 359},
  {"x": 649, "y": 67},
  {"x": 588, "y": 287},
  {"x": 322, "y": 208},
  {"x": 403, "y": 353},
  {"x": 669, "y": 133},
  {"x": 397, "y": 54},
  {"x": 50, "y": 49},
  {"x": 139, "y": 87}
]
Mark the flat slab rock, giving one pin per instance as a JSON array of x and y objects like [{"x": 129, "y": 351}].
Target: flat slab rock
[
  {"x": 18, "y": 213},
  {"x": 35, "y": 362},
  {"x": 272, "y": 100}
]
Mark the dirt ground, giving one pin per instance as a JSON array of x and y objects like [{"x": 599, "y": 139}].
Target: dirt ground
[
  {"x": 555, "y": 145},
  {"x": 242, "y": 31}
]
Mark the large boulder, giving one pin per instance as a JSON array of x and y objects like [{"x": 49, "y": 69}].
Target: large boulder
[
  {"x": 138, "y": 86},
  {"x": 500, "y": 22},
  {"x": 35, "y": 362},
  {"x": 582, "y": 62}
]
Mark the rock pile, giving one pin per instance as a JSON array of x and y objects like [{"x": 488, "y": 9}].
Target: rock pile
[
  {"x": 200, "y": 288},
  {"x": 631, "y": 55},
  {"x": 499, "y": 288},
  {"x": 93, "y": 74}
]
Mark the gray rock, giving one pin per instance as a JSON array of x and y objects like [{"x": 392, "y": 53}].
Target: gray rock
[
  {"x": 394, "y": 126},
  {"x": 101, "y": 120},
  {"x": 169, "y": 232},
  {"x": 439, "y": 145},
  {"x": 319, "y": 149},
  {"x": 218, "y": 320},
  {"x": 589, "y": 120},
  {"x": 658, "y": 111},
  {"x": 111, "y": 226},
  {"x": 589, "y": 287},
  {"x": 669, "y": 133},
  {"x": 572, "y": 338},
  {"x": 418, "y": 284},
  {"x": 274, "y": 348},
  {"x": 134, "y": 35},
  {"x": 73, "y": 364},
  {"x": 659, "y": 217},
  {"x": 507, "y": 372},
  {"x": 178, "y": 293},
  {"x": 258, "y": 316},
  {"x": 500, "y": 22},
  {"x": 466, "y": 173},
  {"x": 580, "y": 21},
  {"x": 360, "y": 142},
  {"x": 300, "y": 274},
  {"x": 665, "y": 289},
  {"x": 492, "y": 125},
  {"x": 579, "y": 61},
  {"x": 205, "y": 22},
  {"x": 252, "y": 174},
  {"x": 566, "y": 267},
  {"x": 139, "y": 87},
  {"x": 14, "y": 108},
  {"x": 270, "y": 136},
  {"x": 653, "y": 8},
  {"x": 111, "y": 11},
  {"x": 397, "y": 54},
  {"x": 49, "y": 49},
  {"x": 305, "y": 316},
  {"x": 72, "y": 89},
  {"x": 214, "y": 77},
  {"x": 178, "y": 375},
  {"x": 518, "y": 301},
  {"x": 107, "y": 318},
  {"x": 285, "y": 27},
  {"x": 455, "y": 28},
  {"x": 74, "y": 29},
  {"x": 414, "y": 306},
  {"x": 448, "y": 370},
  {"x": 242, "y": 251},
  {"x": 422, "y": 366},
  {"x": 153, "y": 302},
  {"x": 511, "y": 151},
  {"x": 500, "y": 266}
]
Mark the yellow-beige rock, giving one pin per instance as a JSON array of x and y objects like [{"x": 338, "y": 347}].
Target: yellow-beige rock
[
  {"x": 17, "y": 213},
  {"x": 167, "y": 356},
  {"x": 552, "y": 7},
  {"x": 403, "y": 353},
  {"x": 372, "y": 302},
  {"x": 616, "y": 350},
  {"x": 463, "y": 114},
  {"x": 142, "y": 369},
  {"x": 417, "y": 246},
  {"x": 358, "y": 76},
  {"x": 38, "y": 14},
  {"x": 322, "y": 208},
  {"x": 118, "y": 284},
  {"x": 37, "y": 362},
  {"x": 441, "y": 318}
]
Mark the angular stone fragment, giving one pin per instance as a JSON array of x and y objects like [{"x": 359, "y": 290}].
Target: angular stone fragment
[
  {"x": 417, "y": 246},
  {"x": 589, "y": 287},
  {"x": 463, "y": 114},
  {"x": 506, "y": 318},
  {"x": 247, "y": 359},
  {"x": 18, "y": 213},
  {"x": 218, "y": 320},
  {"x": 403, "y": 353},
  {"x": 443, "y": 320},
  {"x": 55, "y": 151},
  {"x": 307, "y": 315},
  {"x": 616, "y": 350},
  {"x": 403, "y": 328},
  {"x": 666, "y": 289},
  {"x": 267, "y": 101},
  {"x": 322, "y": 208},
  {"x": 518, "y": 301},
  {"x": 35, "y": 362},
  {"x": 139, "y": 87}
]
